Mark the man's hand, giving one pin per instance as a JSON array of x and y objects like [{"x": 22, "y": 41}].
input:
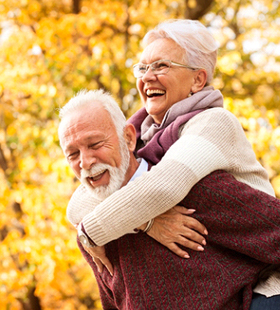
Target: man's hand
[
  {"x": 175, "y": 226},
  {"x": 99, "y": 257}
]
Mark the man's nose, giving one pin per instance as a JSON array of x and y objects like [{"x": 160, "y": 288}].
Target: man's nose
[{"x": 87, "y": 160}]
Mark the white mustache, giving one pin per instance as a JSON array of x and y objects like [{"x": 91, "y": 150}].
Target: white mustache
[{"x": 94, "y": 171}]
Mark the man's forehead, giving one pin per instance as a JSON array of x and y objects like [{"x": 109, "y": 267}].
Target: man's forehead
[
  {"x": 86, "y": 130},
  {"x": 91, "y": 114},
  {"x": 71, "y": 132}
]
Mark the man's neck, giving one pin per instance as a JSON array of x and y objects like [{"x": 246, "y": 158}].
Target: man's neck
[
  {"x": 139, "y": 166},
  {"x": 143, "y": 167}
]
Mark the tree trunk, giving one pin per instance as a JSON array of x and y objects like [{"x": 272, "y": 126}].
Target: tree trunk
[
  {"x": 195, "y": 9},
  {"x": 76, "y": 6},
  {"x": 32, "y": 302}
]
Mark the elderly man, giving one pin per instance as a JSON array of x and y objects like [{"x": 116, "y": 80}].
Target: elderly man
[{"x": 99, "y": 146}]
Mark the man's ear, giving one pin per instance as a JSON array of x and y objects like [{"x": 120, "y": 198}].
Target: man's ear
[
  {"x": 200, "y": 80},
  {"x": 130, "y": 137}
]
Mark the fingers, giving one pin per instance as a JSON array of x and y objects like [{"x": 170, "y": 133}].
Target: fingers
[
  {"x": 190, "y": 221},
  {"x": 178, "y": 251},
  {"x": 98, "y": 255},
  {"x": 194, "y": 224},
  {"x": 184, "y": 210},
  {"x": 190, "y": 244},
  {"x": 108, "y": 265},
  {"x": 98, "y": 264},
  {"x": 176, "y": 227},
  {"x": 192, "y": 236},
  {"x": 101, "y": 262},
  {"x": 186, "y": 243}
]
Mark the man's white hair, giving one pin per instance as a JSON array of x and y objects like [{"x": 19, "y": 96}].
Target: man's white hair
[
  {"x": 86, "y": 98},
  {"x": 194, "y": 38}
]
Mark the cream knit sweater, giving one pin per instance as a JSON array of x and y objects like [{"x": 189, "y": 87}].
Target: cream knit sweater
[{"x": 211, "y": 140}]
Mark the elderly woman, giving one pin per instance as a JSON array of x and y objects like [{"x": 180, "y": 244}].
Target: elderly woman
[{"x": 173, "y": 78}]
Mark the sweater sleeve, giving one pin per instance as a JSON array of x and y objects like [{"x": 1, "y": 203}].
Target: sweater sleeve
[{"x": 212, "y": 140}]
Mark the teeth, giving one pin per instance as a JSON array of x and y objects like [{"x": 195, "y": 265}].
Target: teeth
[
  {"x": 151, "y": 92},
  {"x": 96, "y": 176}
]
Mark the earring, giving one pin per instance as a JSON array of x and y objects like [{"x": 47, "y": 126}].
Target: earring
[{"x": 190, "y": 94}]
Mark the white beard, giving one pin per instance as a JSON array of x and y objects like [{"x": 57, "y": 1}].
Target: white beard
[{"x": 117, "y": 175}]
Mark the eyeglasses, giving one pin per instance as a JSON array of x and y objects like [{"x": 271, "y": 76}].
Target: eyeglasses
[{"x": 158, "y": 67}]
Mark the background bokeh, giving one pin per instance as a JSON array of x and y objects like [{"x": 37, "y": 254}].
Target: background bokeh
[{"x": 51, "y": 49}]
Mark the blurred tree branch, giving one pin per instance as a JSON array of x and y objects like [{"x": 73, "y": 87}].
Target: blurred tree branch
[
  {"x": 3, "y": 161},
  {"x": 195, "y": 9},
  {"x": 76, "y": 6}
]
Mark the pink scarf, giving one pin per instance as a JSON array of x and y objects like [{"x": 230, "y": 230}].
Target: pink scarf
[{"x": 206, "y": 98}]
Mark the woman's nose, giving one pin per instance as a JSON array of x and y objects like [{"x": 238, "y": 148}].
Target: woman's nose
[{"x": 149, "y": 75}]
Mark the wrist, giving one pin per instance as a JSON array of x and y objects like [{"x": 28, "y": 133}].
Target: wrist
[
  {"x": 84, "y": 238},
  {"x": 148, "y": 226}
]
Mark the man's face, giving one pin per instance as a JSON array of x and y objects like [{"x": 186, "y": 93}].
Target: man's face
[{"x": 94, "y": 151}]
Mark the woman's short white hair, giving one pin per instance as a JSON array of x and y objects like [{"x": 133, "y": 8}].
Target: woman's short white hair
[
  {"x": 92, "y": 97},
  {"x": 199, "y": 45}
]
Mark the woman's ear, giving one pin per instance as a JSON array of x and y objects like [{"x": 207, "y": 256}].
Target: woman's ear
[
  {"x": 200, "y": 80},
  {"x": 130, "y": 137}
]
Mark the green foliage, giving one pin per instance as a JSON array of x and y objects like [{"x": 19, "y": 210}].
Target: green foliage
[{"x": 47, "y": 54}]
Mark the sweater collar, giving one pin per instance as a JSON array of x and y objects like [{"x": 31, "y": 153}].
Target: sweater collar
[{"x": 143, "y": 167}]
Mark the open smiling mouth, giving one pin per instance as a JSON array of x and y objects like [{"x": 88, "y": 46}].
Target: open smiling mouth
[
  {"x": 96, "y": 177},
  {"x": 154, "y": 93}
]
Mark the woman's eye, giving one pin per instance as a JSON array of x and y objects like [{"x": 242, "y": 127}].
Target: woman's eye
[
  {"x": 142, "y": 68},
  {"x": 161, "y": 65}
]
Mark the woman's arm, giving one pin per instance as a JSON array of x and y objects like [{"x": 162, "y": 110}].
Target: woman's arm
[{"x": 212, "y": 140}]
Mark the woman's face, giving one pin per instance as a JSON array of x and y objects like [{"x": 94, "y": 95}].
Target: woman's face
[{"x": 169, "y": 88}]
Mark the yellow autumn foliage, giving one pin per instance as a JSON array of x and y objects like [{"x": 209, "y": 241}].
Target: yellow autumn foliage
[{"x": 48, "y": 53}]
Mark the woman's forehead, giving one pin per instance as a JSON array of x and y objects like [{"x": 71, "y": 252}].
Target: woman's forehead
[{"x": 162, "y": 49}]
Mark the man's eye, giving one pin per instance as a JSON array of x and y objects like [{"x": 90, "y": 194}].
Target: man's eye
[
  {"x": 95, "y": 145},
  {"x": 72, "y": 156}
]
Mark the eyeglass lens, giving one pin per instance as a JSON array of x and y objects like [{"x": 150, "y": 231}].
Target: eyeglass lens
[{"x": 158, "y": 67}]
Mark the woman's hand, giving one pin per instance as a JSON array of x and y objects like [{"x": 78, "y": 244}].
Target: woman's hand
[
  {"x": 176, "y": 226},
  {"x": 169, "y": 228},
  {"x": 99, "y": 257}
]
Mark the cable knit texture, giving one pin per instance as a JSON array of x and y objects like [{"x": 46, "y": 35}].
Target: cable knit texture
[
  {"x": 243, "y": 239},
  {"x": 211, "y": 140}
]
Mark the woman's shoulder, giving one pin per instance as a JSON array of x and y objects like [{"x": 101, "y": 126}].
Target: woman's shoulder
[
  {"x": 213, "y": 119},
  {"x": 221, "y": 112},
  {"x": 217, "y": 115}
]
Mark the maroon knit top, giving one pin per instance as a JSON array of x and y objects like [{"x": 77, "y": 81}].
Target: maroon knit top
[{"x": 244, "y": 238}]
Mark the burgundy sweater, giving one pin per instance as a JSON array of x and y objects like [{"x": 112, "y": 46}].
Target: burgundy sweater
[{"x": 244, "y": 238}]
